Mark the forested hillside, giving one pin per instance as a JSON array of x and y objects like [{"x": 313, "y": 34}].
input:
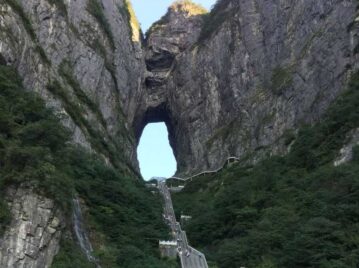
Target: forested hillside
[
  {"x": 124, "y": 218},
  {"x": 293, "y": 211}
]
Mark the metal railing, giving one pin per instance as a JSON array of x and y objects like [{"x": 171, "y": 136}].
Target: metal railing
[{"x": 229, "y": 160}]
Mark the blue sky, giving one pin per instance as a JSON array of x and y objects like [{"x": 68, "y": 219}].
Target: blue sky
[
  {"x": 149, "y": 11},
  {"x": 154, "y": 152}
]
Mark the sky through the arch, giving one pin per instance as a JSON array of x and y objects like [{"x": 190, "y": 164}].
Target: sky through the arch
[
  {"x": 154, "y": 152},
  {"x": 149, "y": 11}
]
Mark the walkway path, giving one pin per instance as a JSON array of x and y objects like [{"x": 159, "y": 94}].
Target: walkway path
[
  {"x": 229, "y": 160},
  {"x": 190, "y": 257}
]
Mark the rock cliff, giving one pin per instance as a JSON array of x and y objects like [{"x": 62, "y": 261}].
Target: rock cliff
[
  {"x": 85, "y": 60},
  {"x": 242, "y": 83},
  {"x": 238, "y": 81},
  {"x": 235, "y": 82},
  {"x": 32, "y": 239}
]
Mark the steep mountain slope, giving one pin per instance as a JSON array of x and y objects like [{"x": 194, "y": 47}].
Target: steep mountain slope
[
  {"x": 256, "y": 72},
  {"x": 84, "y": 59},
  {"x": 41, "y": 173},
  {"x": 239, "y": 81},
  {"x": 294, "y": 211}
]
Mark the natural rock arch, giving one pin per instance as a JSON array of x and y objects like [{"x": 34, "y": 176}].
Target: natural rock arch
[{"x": 157, "y": 114}]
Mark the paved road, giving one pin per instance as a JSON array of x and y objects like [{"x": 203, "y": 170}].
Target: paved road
[{"x": 190, "y": 257}]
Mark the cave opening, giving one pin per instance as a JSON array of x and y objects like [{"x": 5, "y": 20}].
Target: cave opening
[{"x": 154, "y": 152}]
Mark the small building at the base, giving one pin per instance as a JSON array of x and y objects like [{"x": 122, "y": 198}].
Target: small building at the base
[{"x": 168, "y": 249}]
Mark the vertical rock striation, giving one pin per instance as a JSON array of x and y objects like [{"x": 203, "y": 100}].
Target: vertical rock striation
[
  {"x": 258, "y": 70},
  {"x": 81, "y": 233},
  {"x": 32, "y": 239},
  {"x": 83, "y": 59}
]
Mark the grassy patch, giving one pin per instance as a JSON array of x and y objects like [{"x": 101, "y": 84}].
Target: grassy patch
[
  {"x": 101, "y": 142},
  {"x": 70, "y": 255},
  {"x": 16, "y": 6},
  {"x": 125, "y": 204},
  {"x": 129, "y": 13},
  {"x": 222, "y": 133},
  {"x": 76, "y": 112},
  {"x": 288, "y": 137},
  {"x": 66, "y": 71},
  {"x": 213, "y": 21},
  {"x": 32, "y": 140},
  {"x": 187, "y": 5},
  {"x": 193, "y": 9},
  {"x": 99, "y": 48},
  {"x": 281, "y": 79},
  {"x": 61, "y": 6},
  {"x": 309, "y": 42},
  {"x": 95, "y": 8},
  {"x": 162, "y": 21}
]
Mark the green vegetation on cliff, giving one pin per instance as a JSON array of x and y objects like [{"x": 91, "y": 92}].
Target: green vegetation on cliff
[
  {"x": 192, "y": 9},
  {"x": 16, "y": 6},
  {"x": 281, "y": 79},
  {"x": 213, "y": 20},
  {"x": 95, "y": 8},
  {"x": 60, "y": 4},
  {"x": 293, "y": 211},
  {"x": 133, "y": 24},
  {"x": 32, "y": 141},
  {"x": 124, "y": 218}
]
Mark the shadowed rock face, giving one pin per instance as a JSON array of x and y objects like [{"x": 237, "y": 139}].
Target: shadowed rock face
[
  {"x": 77, "y": 52},
  {"x": 89, "y": 72},
  {"x": 258, "y": 71},
  {"x": 32, "y": 239},
  {"x": 261, "y": 68},
  {"x": 159, "y": 61},
  {"x": 177, "y": 31}
]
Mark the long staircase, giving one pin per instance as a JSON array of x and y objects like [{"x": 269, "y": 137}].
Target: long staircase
[{"x": 190, "y": 257}]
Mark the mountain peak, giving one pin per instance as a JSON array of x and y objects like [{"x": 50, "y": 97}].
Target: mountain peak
[{"x": 188, "y": 6}]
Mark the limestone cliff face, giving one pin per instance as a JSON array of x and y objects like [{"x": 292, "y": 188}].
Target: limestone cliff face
[
  {"x": 32, "y": 239},
  {"x": 258, "y": 70},
  {"x": 167, "y": 39},
  {"x": 236, "y": 82},
  {"x": 84, "y": 59}
]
